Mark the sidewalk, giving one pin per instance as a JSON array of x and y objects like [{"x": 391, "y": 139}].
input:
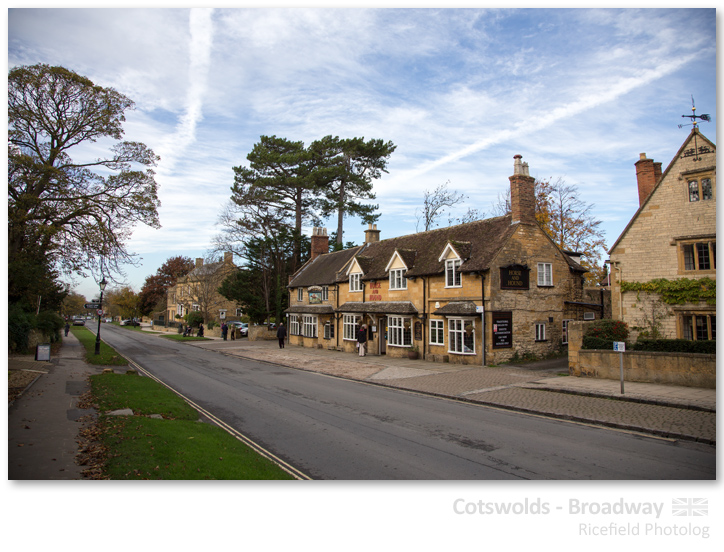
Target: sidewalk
[
  {"x": 665, "y": 410},
  {"x": 44, "y": 421}
]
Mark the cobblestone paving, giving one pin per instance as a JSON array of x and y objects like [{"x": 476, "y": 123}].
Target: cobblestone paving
[{"x": 661, "y": 420}]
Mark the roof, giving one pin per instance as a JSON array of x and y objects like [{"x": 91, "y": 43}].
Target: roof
[
  {"x": 310, "y": 309},
  {"x": 383, "y": 307},
  {"x": 661, "y": 179},
  {"x": 322, "y": 270},
  {"x": 463, "y": 308}
]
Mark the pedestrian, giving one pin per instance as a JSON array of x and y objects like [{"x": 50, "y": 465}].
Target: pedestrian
[
  {"x": 201, "y": 331},
  {"x": 224, "y": 330},
  {"x": 233, "y": 333},
  {"x": 362, "y": 339},
  {"x": 67, "y": 328},
  {"x": 281, "y": 334}
]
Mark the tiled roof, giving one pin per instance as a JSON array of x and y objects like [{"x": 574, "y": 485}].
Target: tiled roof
[
  {"x": 323, "y": 270},
  {"x": 311, "y": 309},
  {"x": 465, "y": 308},
  {"x": 385, "y": 307}
]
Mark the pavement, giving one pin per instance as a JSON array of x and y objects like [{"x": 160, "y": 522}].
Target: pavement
[{"x": 44, "y": 421}]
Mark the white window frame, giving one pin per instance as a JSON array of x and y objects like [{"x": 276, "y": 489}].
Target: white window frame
[
  {"x": 355, "y": 282},
  {"x": 300, "y": 295},
  {"x": 397, "y": 334},
  {"x": 328, "y": 330},
  {"x": 325, "y": 293},
  {"x": 195, "y": 307},
  {"x": 456, "y": 336},
  {"x": 179, "y": 309},
  {"x": 350, "y": 326},
  {"x": 452, "y": 273},
  {"x": 397, "y": 279},
  {"x": 545, "y": 274},
  {"x": 309, "y": 325},
  {"x": 565, "y": 330},
  {"x": 540, "y": 331},
  {"x": 293, "y": 324},
  {"x": 437, "y": 332}
]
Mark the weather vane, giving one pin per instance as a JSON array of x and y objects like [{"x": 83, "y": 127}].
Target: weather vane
[{"x": 694, "y": 116}]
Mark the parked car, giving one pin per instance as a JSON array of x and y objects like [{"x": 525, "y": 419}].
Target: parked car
[
  {"x": 130, "y": 322},
  {"x": 243, "y": 327},
  {"x": 78, "y": 322}
]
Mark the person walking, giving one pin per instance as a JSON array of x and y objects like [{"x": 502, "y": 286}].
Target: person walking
[
  {"x": 67, "y": 328},
  {"x": 281, "y": 335},
  {"x": 362, "y": 339},
  {"x": 224, "y": 330}
]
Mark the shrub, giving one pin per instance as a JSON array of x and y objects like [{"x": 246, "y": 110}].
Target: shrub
[
  {"x": 50, "y": 324},
  {"x": 20, "y": 323},
  {"x": 194, "y": 318},
  {"x": 610, "y": 330},
  {"x": 590, "y": 342},
  {"x": 675, "y": 346}
]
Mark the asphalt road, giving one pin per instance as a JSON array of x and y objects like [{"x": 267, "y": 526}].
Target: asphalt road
[{"x": 331, "y": 428}]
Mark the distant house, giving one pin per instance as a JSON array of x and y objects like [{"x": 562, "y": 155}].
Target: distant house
[
  {"x": 475, "y": 293},
  {"x": 670, "y": 239},
  {"x": 197, "y": 291}
]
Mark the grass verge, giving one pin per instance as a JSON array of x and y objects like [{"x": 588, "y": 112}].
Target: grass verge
[
  {"x": 177, "y": 447},
  {"x": 108, "y": 355}
]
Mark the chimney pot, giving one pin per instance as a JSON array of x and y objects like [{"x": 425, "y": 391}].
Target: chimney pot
[
  {"x": 320, "y": 242},
  {"x": 646, "y": 176},
  {"x": 522, "y": 193}
]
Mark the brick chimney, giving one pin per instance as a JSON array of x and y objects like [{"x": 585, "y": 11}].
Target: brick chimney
[
  {"x": 199, "y": 262},
  {"x": 320, "y": 242},
  {"x": 372, "y": 234},
  {"x": 647, "y": 175},
  {"x": 522, "y": 193},
  {"x": 228, "y": 257}
]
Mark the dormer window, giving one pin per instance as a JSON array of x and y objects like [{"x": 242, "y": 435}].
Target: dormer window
[
  {"x": 397, "y": 279},
  {"x": 355, "y": 282},
  {"x": 452, "y": 273}
]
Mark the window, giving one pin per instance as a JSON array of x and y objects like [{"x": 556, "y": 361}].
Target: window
[
  {"x": 350, "y": 326},
  {"x": 328, "y": 330},
  {"x": 452, "y": 273},
  {"x": 355, "y": 282},
  {"x": 589, "y": 315},
  {"x": 325, "y": 293},
  {"x": 437, "y": 332},
  {"x": 293, "y": 324},
  {"x": 179, "y": 309},
  {"x": 698, "y": 256},
  {"x": 300, "y": 295},
  {"x": 700, "y": 189},
  {"x": 399, "y": 331},
  {"x": 545, "y": 274},
  {"x": 461, "y": 336},
  {"x": 309, "y": 326},
  {"x": 698, "y": 327},
  {"x": 397, "y": 280},
  {"x": 565, "y": 331},
  {"x": 540, "y": 332},
  {"x": 195, "y": 307},
  {"x": 239, "y": 311}
]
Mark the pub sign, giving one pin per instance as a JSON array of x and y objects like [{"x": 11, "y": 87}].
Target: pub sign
[
  {"x": 502, "y": 330},
  {"x": 514, "y": 277}
]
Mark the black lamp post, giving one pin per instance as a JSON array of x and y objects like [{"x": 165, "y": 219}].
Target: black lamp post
[{"x": 100, "y": 308}]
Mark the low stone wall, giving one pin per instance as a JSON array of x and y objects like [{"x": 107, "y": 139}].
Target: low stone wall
[
  {"x": 262, "y": 333},
  {"x": 688, "y": 369}
]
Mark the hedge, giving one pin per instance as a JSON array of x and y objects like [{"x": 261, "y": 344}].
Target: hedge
[{"x": 675, "y": 346}]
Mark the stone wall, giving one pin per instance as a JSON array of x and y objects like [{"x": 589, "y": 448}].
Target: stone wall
[
  {"x": 687, "y": 369},
  {"x": 262, "y": 333}
]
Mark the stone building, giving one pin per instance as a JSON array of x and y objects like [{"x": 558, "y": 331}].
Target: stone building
[
  {"x": 475, "y": 293},
  {"x": 671, "y": 239},
  {"x": 197, "y": 291}
]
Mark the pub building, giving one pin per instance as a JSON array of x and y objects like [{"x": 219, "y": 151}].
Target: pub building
[{"x": 474, "y": 293}]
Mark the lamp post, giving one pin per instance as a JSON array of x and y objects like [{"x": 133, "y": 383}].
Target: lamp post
[{"x": 100, "y": 308}]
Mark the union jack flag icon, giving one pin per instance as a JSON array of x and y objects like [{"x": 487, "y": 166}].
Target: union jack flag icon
[{"x": 690, "y": 506}]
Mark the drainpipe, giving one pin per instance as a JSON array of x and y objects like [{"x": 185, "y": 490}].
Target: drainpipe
[
  {"x": 336, "y": 317},
  {"x": 424, "y": 316},
  {"x": 482, "y": 300}
]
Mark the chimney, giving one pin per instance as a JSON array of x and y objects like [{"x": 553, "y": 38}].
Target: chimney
[
  {"x": 522, "y": 193},
  {"x": 647, "y": 175},
  {"x": 372, "y": 234},
  {"x": 199, "y": 262},
  {"x": 228, "y": 257},
  {"x": 320, "y": 242}
]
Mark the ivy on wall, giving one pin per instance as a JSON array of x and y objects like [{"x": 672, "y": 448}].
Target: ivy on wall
[{"x": 677, "y": 292}]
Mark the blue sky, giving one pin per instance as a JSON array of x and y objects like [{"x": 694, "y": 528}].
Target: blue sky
[{"x": 578, "y": 93}]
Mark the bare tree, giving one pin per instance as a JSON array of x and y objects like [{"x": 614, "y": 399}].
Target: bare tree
[{"x": 434, "y": 204}]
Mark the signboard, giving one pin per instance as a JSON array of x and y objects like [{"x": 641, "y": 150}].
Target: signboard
[
  {"x": 502, "y": 330},
  {"x": 619, "y": 346},
  {"x": 93, "y": 306},
  {"x": 514, "y": 277},
  {"x": 479, "y": 309},
  {"x": 418, "y": 331},
  {"x": 42, "y": 352},
  {"x": 315, "y": 297}
]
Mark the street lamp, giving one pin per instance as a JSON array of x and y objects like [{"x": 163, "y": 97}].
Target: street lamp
[{"x": 102, "y": 285}]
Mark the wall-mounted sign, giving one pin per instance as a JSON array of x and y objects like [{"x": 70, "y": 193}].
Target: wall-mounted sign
[
  {"x": 514, "y": 277},
  {"x": 418, "y": 331},
  {"x": 502, "y": 330},
  {"x": 315, "y": 297}
]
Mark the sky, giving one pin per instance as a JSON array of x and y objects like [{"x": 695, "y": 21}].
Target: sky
[{"x": 579, "y": 93}]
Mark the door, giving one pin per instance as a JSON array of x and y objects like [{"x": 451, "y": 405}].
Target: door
[{"x": 382, "y": 335}]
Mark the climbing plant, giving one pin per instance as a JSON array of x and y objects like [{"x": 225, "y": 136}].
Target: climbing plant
[{"x": 677, "y": 292}]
